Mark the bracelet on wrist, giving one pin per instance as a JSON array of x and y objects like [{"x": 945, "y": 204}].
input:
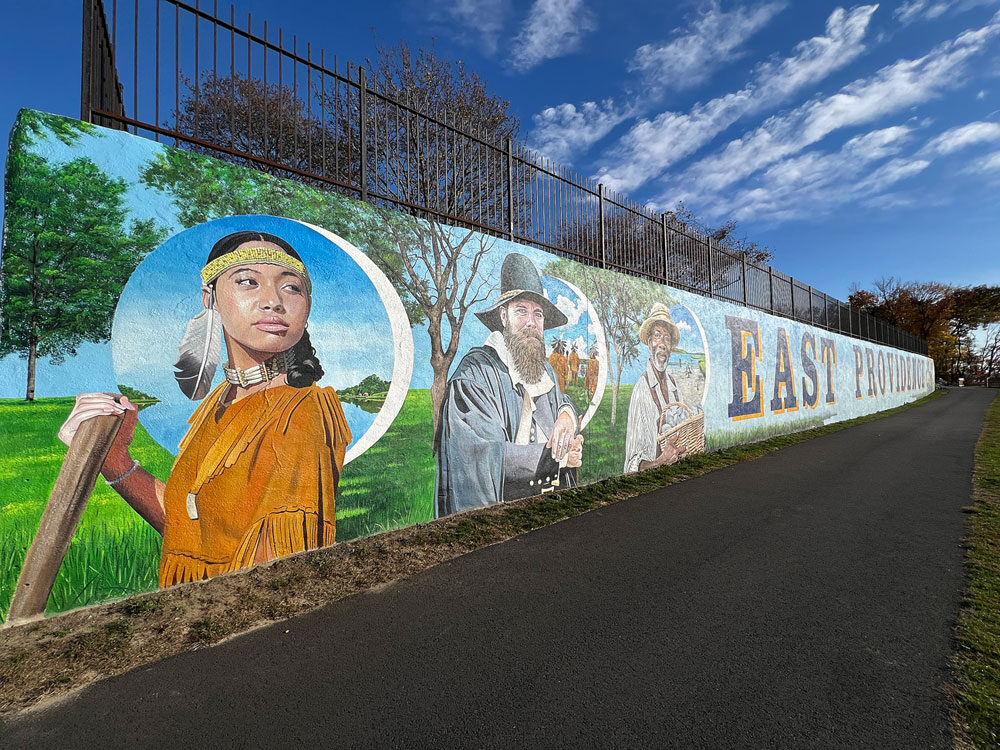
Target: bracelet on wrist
[{"x": 113, "y": 482}]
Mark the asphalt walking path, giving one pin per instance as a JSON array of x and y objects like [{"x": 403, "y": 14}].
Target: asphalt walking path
[{"x": 803, "y": 599}]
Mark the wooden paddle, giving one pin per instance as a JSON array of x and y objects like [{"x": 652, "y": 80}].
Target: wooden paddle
[{"x": 77, "y": 475}]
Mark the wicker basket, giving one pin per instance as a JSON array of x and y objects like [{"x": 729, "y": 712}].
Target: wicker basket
[{"x": 690, "y": 433}]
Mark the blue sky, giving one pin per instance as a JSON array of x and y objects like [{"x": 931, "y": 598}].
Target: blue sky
[{"x": 857, "y": 141}]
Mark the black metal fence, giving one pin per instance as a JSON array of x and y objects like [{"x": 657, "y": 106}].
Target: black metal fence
[{"x": 245, "y": 92}]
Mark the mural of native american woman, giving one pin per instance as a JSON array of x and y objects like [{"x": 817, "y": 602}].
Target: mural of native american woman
[{"x": 257, "y": 472}]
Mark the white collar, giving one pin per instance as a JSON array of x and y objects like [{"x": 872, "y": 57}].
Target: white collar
[{"x": 495, "y": 341}]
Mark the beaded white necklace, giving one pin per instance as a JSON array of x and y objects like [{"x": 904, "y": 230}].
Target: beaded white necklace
[{"x": 265, "y": 371}]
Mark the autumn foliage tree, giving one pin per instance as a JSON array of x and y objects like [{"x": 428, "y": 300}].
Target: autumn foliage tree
[{"x": 944, "y": 315}]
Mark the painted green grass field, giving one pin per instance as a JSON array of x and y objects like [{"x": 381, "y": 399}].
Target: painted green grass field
[{"x": 115, "y": 554}]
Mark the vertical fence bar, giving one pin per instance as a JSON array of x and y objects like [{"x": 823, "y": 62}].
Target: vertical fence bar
[
  {"x": 770, "y": 288},
  {"x": 746, "y": 300},
  {"x": 666, "y": 251},
  {"x": 363, "y": 127},
  {"x": 87, "y": 61},
  {"x": 510, "y": 189},
  {"x": 711, "y": 274},
  {"x": 232, "y": 76},
  {"x": 602, "y": 246},
  {"x": 135, "y": 68},
  {"x": 156, "y": 73}
]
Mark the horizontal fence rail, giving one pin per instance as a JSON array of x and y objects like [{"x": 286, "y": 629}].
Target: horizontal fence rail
[{"x": 227, "y": 86}]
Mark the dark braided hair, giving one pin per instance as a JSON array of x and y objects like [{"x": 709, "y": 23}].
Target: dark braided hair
[{"x": 305, "y": 368}]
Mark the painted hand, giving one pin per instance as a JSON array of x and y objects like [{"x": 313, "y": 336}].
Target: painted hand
[
  {"x": 575, "y": 455},
  {"x": 563, "y": 433},
  {"x": 89, "y": 405},
  {"x": 670, "y": 454}
]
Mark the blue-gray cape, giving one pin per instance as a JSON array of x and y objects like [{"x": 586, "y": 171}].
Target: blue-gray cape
[{"x": 477, "y": 461}]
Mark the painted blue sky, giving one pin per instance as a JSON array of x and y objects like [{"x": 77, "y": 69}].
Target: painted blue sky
[{"x": 856, "y": 141}]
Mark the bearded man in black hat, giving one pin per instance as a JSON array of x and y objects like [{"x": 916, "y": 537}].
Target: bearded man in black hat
[{"x": 507, "y": 430}]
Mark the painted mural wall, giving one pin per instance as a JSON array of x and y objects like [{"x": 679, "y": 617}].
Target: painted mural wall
[{"x": 294, "y": 368}]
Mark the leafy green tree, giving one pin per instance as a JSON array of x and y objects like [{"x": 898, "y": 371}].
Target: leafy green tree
[
  {"x": 69, "y": 248},
  {"x": 622, "y": 302}
]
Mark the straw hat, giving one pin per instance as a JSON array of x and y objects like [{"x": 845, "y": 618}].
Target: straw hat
[{"x": 659, "y": 314}]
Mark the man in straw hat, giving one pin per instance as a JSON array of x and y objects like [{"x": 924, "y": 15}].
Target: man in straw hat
[
  {"x": 507, "y": 430},
  {"x": 654, "y": 391}
]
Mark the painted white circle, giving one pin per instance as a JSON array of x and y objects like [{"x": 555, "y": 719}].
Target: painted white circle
[
  {"x": 704, "y": 344},
  {"x": 602, "y": 346},
  {"x": 402, "y": 342}
]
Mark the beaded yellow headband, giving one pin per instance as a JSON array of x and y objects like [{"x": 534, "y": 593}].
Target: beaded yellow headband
[{"x": 244, "y": 255}]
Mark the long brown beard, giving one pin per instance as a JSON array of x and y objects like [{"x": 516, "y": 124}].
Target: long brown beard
[{"x": 528, "y": 351}]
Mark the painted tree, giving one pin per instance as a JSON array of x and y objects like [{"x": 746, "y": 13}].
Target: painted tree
[
  {"x": 622, "y": 302},
  {"x": 69, "y": 248},
  {"x": 441, "y": 272}
]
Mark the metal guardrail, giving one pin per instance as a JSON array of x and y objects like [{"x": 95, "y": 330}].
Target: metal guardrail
[{"x": 365, "y": 139}]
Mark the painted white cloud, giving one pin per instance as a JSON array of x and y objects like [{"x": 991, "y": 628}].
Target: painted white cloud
[
  {"x": 571, "y": 309},
  {"x": 713, "y": 39},
  {"x": 561, "y": 131},
  {"x": 683, "y": 325},
  {"x": 553, "y": 28},
  {"x": 964, "y": 135},
  {"x": 895, "y": 87},
  {"x": 653, "y": 145}
]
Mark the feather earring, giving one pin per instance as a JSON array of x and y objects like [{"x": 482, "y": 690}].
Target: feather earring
[{"x": 199, "y": 353}]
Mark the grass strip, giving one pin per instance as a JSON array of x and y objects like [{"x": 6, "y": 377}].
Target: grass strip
[
  {"x": 52, "y": 656},
  {"x": 977, "y": 649}
]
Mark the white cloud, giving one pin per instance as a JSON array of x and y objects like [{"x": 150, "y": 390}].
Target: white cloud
[
  {"x": 964, "y": 135},
  {"x": 651, "y": 146},
  {"x": 981, "y": 94},
  {"x": 483, "y": 17},
  {"x": 910, "y": 11},
  {"x": 683, "y": 325},
  {"x": 553, "y": 28},
  {"x": 566, "y": 129},
  {"x": 711, "y": 40},
  {"x": 988, "y": 163},
  {"x": 814, "y": 183},
  {"x": 895, "y": 87}
]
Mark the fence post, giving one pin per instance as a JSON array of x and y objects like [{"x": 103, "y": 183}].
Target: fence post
[
  {"x": 87, "y": 61},
  {"x": 666, "y": 253},
  {"x": 811, "y": 316},
  {"x": 363, "y": 128},
  {"x": 770, "y": 287},
  {"x": 711, "y": 274},
  {"x": 745, "y": 300},
  {"x": 600, "y": 225},
  {"x": 510, "y": 189}
]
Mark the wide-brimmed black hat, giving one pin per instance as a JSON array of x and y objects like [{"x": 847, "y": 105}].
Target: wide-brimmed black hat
[{"x": 519, "y": 278}]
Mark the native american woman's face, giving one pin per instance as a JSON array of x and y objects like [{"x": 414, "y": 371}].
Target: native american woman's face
[
  {"x": 264, "y": 307},
  {"x": 659, "y": 346}
]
